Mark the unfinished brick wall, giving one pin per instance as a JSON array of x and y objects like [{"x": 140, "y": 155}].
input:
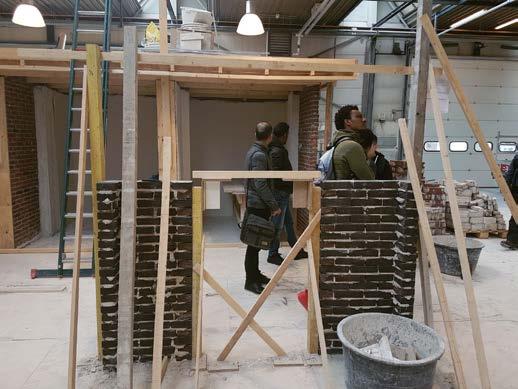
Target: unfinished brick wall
[
  {"x": 178, "y": 302},
  {"x": 23, "y": 159},
  {"x": 308, "y": 138},
  {"x": 369, "y": 232}
]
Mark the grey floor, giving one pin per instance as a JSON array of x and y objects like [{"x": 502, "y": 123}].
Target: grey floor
[{"x": 35, "y": 318}]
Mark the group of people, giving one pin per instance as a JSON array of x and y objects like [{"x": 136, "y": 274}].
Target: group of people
[{"x": 355, "y": 156}]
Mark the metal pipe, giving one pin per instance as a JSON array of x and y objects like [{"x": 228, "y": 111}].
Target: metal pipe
[
  {"x": 507, "y": 2},
  {"x": 391, "y": 14}
]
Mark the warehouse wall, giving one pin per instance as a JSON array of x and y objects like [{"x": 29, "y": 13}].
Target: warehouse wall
[{"x": 222, "y": 132}]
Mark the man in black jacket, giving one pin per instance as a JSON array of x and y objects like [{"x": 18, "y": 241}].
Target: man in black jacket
[
  {"x": 282, "y": 191},
  {"x": 259, "y": 201},
  {"x": 511, "y": 177}
]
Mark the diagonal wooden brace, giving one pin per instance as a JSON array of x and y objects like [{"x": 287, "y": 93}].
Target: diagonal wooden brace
[
  {"x": 306, "y": 235},
  {"x": 240, "y": 311}
]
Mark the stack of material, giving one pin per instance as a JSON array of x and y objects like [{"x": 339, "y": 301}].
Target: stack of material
[
  {"x": 195, "y": 33},
  {"x": 400, "y": 169},
  {"x": 478, "y": 211},
  {"x": 435, "y": 198}
]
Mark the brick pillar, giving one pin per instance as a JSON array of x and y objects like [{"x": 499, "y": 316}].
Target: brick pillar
[
  {"x": 308, "y": 138},
  {"x": 23, "y": 159}
]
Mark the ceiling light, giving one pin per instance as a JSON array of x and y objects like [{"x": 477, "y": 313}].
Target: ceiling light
[
  {"x": 250, "y": 24},
  {"x": 469, "y": 18},
  {"x": 506, "y": 24},
  {"x": 28, "y": 15}
]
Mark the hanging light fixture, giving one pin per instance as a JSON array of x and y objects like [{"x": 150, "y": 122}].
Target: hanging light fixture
[
  {"x": 250, "y": 24},
  {"x": 26, "y": 14},
  {"x": 506, "y": 24}
]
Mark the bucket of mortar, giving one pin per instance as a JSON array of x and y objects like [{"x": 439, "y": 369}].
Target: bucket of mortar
[
  {"x": 448, "y": 255},
  {"x": 366, "y": 371}
]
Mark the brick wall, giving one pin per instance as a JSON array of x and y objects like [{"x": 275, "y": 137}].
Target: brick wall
[
  {"x": 308, "y": 138},
  {"x": 178, "y": 302},
  {"x": 23, "y": 159},
  {"x": 368, "y": 251}
]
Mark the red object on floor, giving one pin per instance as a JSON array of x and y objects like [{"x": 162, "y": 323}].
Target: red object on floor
[{"x": 303, "y": 298}]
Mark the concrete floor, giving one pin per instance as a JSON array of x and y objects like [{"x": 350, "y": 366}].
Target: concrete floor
[{"x": 35, "y": 326}]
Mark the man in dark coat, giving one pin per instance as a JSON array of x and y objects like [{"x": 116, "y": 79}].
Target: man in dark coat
[
  {"x": 511, "y": 177},
  {"x": 259, "y": 201},
  {"x": 282, "y": 191}
]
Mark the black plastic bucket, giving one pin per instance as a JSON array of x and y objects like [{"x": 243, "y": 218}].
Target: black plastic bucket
[
  {"x": 448, "y": 255},
  {"x": 365, "y": 371}
]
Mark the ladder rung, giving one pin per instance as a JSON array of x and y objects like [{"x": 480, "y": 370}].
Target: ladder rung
[
  {"x": 77, "y": 172},
  {"x": 74, "y": 193},
  {"x": 83, "y": 260},
  {"x": 73, "y": 237},
  {"x": 91, "y": 13},
  {"x": 77, "y": 150},
  {"x": 90, "y": 31},
  {"x": 72, "y": 215}
]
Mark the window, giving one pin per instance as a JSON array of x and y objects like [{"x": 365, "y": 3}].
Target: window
[
  {"x": 478, "y": 149},
  {"x": 458, "y": 146},
  {"x": 507, "y": 147},
  {"x": 432, "y": 146}
]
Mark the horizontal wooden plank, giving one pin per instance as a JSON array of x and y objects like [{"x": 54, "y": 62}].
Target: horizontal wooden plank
[{"x": 222, "y": 175}]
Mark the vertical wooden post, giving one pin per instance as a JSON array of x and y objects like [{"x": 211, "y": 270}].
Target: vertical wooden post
[
  {"x": 97, "y": 163},
  {"x": 312, "y": 332},
  {"x": 417, "y": 100},
  {"x": 470, "y": 115},
  {"x": 197, "y": 237},
  {"x": 459, "y": 236},
  {"x": 162, "y": 24},
  {"x": 6, "y": 208},
  {"x": 128, "y": 211},
  {"x": 432, "y": 254},
  {"x": 199, "y": 324},
  {"x": 158, "y": 336},
  {"x": 72, "y": 345},
  {"x": 328, "y": 129},
  {"x": 424, "y": 276}
]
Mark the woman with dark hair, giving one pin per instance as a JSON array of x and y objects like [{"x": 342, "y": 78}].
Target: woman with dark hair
[{"x": 379, "y": 164}]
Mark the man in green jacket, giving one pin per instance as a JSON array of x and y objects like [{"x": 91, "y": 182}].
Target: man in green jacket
[{"x": 349, "y": 157}]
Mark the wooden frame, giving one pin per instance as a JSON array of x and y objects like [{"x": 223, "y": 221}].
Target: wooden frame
[
  {"x": 311, "y": 235},
  {"x": 459, "y": 234},
  {"x": 158, "y": 335},
  {"x": 74, "y": 310},
  {"x": 128, "y": 212},
  {"x": 432, "y": 254}
]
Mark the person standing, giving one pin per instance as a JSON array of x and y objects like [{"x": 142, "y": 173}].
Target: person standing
[
  {"x": 282, "y": 191},
  {"x": 511, "y": 177},
  {"x": 259, "y": 201},
  {"x": 379, "y": 164},
  {"x": 349, "y": 157}
]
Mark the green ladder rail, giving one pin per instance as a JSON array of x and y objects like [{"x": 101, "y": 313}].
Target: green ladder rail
[{"x": 74, "y": 94}]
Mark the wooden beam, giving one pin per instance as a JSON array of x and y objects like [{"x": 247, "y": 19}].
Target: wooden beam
[
  {"x": 459, "y": 236},
  {"x": 128, "y": 212},
  {"x": 314, "y": 250},
  {"x": 6, "y": 208},
  {"x": 424, "y": 276},
  {"x": 162, "y": 22},
  {"x": 97, "y": 163},
  {"x": 197, "y": 236},
  {"x": 417, "y": 100},
  {"x": 213, "y": 61},
  {"x": 470, "y": 115},
  {"x": 173, "y": 131},
  {"x": 306, "y": 235},
  {"x": 158, "y": 335},
  {"x": 232, "y": 303},
  {"x": 225, "y": 175},
  {"x": 72, "y": 345},
  {"x": 315, "y": 299},
  {"x": 432, "y": 254},
  {"x": 199, "y": 326},
  {"x": 328, "y": 129}
]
